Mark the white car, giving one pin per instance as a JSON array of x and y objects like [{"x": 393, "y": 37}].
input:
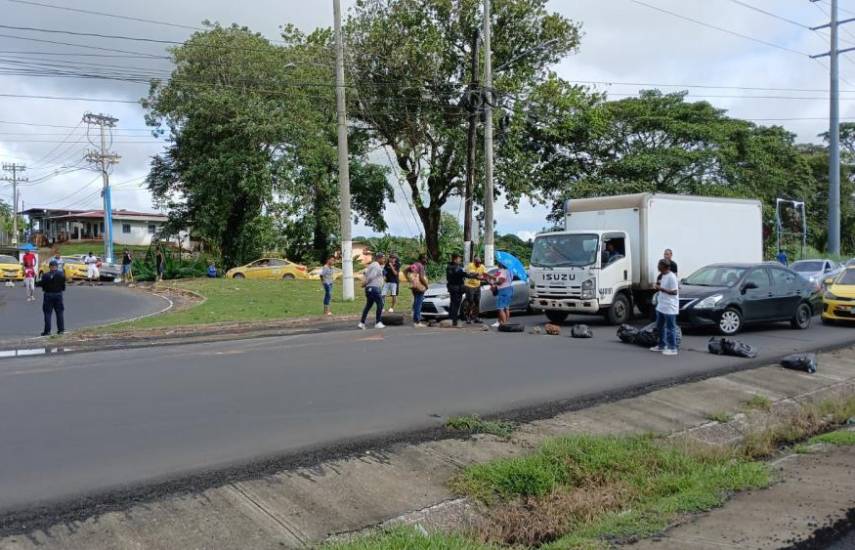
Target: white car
[
  {"x": 816, "y": 271},
  {"x": 438, "y": 301}
]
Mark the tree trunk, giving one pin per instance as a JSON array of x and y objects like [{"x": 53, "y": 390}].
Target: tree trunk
[{"x": 430, "y": 216}]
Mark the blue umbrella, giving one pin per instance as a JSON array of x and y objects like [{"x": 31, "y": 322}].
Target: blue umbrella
[
  {"x": 27, "y": 247},
  {"x": 513, "y": 264}
]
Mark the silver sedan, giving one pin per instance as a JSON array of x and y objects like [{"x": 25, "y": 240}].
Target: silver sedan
[{"x": 438, "y": 301}]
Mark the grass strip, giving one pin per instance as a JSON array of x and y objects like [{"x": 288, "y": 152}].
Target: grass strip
[
  {"x": 408, "y": 538},
  {"x": 474, "y": 424},
  {"x": 840, "y": 438}
]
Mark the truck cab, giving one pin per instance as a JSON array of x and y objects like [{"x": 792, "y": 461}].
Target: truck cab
[{"x": 582, "y": 271}]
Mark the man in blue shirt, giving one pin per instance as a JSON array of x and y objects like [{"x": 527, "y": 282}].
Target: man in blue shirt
[{"x": 782, "y": 258}]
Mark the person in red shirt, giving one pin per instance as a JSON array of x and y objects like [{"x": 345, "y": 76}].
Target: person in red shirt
[{"x": 29, "y": 261}]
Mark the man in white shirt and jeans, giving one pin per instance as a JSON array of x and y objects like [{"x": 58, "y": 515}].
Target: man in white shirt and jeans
[{"x": 667, "y": 309}]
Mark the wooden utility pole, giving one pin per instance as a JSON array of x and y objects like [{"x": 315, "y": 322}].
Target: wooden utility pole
[{"x": 472, "y": 153}]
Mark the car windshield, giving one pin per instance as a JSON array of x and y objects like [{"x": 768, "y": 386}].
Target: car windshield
[
  {"x": 848, "y": 277},
  {"x": 7, "y": 259},
  {"x": 807, "y": 267},
  {"x": 577, "y": 250},
  {"x": 717, "y": 275}
]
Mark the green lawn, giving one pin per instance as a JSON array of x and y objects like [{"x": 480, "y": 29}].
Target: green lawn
[{"x": 235, "y": 300}]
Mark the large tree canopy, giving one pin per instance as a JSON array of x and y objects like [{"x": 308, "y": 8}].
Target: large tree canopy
[{"x": 410, "y": 62}]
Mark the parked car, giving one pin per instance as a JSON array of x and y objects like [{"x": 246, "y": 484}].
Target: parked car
[
  {"x": 437, "y": 300},
  {"x": 839, "y": 298},
  {"x": 816, "y": 271},
  {"x": 269, "y": 269},
  {"x": 730, "y": 296},
  {"x": 73, "y": 267},
  {"x": 107, "y": 271},
  {"x": 10, "y": 269}
]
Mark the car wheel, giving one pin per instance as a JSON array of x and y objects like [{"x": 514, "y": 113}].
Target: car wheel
[
  {"x": 557, "y": 317},
  {"x": 802, "y": 317},
  {"x": 730, "y": 322},
  {"x": 620, "y": 311},
  {"x": 512, "y": 327},
  {"x": 288, "y": 277},
  {"x": 238, "y": 276}
]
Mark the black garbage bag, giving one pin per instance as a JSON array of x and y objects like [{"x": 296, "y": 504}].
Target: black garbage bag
[
  {"x": 581, "y": 331},
  {"x": 729, "y": 346},
  {"x": 800, "y": 361},
  {"x": 627, "y": 334}
]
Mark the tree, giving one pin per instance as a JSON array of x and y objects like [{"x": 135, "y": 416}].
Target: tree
[{"x": 411, "y": 66}]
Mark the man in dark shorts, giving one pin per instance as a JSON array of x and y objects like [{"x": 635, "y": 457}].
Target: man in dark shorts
[{"x": 391, "y": 284}]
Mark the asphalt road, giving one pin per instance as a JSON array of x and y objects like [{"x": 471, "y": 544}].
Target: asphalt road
[
  {"x": 76, "y": 424},
  {"x": 84, "y": 306}
]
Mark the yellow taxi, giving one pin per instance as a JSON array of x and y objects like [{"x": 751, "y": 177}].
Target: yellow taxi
[
  {"x": 839, "y": 298},
  {"x": 269, "y": 269},
  {"x": 10, "y": 269},
  {"x": 74, "y": 268}
]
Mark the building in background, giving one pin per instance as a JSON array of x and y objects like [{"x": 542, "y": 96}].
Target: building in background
[{"x": 51, "y": 226}]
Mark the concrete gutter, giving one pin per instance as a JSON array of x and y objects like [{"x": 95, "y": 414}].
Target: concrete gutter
[{"x": 300, "y": 506}]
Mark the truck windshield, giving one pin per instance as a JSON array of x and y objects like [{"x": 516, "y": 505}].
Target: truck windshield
[{"x": 577, "y": 250}]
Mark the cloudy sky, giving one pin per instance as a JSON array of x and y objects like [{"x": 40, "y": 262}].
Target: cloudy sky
[{"x": 627, "y": 45}]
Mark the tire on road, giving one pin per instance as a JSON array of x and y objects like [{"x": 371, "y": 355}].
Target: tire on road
[
  {"x": 620, "y": 312},
  {"x": 557, "y": 317},
  {"x": 511, "y": 327},
  {"x": 802, "y": 317},
  {"x": 730, "y": 322},
  {"x": 392, "y": 319}
]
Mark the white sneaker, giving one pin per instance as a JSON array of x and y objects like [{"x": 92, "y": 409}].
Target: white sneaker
[
  {"x": 391, "y": 310},
  {"x": 380, "y": 325},
  {"x": 657, "y": 349},
  {"x": 361, "y": 326},
  {"x": 419, "y": 325},
  {"x": 669, "y": 352},
  {"x": 495, "y": 325}
]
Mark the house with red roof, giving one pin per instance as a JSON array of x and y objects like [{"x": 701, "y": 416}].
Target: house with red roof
[{"x": 52, "y": 225}]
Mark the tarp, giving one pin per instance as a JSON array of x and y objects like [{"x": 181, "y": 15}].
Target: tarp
[
  {"x": 513, "y": 264},
  {"x": 27, "y": 247}
]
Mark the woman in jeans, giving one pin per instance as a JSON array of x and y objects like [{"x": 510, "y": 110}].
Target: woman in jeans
[
  {"x": 327, "y": 276},
  {"x": 504, "y": 285},
  {"x": 373, "y": 282},
  {"x": 417, "y": 275}
]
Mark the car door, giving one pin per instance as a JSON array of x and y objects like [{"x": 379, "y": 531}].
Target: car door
[
  {"x": 255, "y": 270},
  {"x": 757, "y": 302},
  {"x": 787, "y": 292},
  {"x": 520, "y": 300}
]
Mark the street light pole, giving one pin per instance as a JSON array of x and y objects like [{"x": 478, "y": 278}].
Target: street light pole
[
  {"x": 343, "y": 161},
  {"x": 489, "y": 237}
]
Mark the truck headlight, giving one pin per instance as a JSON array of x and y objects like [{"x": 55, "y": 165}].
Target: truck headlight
[
  {"x": 710, "y": 302},
  {"x": 589, "y": 289}
]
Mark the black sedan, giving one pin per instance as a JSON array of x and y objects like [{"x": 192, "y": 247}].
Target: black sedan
[{"x": 730, "y": 296}]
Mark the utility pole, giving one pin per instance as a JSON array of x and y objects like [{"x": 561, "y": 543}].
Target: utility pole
[
  {"x": 15, "y": 169},
  {"x": 834, "y": 129},
  {"x": 471, "y": 145},
  {"x": 343, "y": 160},
  {"x": 489, "y": 240},
  {"x": 103, "y": 161}
]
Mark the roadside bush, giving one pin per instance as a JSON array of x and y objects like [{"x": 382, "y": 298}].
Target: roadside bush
[{"x": 175, "y": 267}]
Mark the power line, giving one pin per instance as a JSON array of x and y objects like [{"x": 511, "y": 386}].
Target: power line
[
  {"x": 84, "y": 46},
  {"x": 90, "y": 34},
  {"x": 770, "y": 14},
  {"x": 105, "y": 14},
  {"x": 70, "y": 98},
  {"x": 721, "y": 29}
]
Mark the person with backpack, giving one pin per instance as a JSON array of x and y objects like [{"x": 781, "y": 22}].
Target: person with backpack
[{"x": 417, "y": 276}]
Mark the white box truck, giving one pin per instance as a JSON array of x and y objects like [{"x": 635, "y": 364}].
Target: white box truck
[{"x": 605, "y": 260}]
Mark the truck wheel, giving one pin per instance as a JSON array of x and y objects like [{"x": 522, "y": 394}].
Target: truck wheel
[
  {"x": 557, "y": 317},
  {"x": 730, "y": 322},
  {"x": 620, "y": 311},
  {"x": 801, "y": 319}
]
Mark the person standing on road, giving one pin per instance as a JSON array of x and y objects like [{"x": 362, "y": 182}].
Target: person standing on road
[
  {"x": 782, "y": 258},
  {"x": 667, "y": 309},
  {"x": 372, "y": 281},
  {"x": 53, "y": 285},
  {"x": 60, "y": 263},
  {"x": 417, "y": 275},
  {"x": 455, "y": 282},
  {"x": 159, "y": 264},
  {"x": 29, "y": 261},
  {"x": 327, "y": 278},
  {"x": 91, "y": 262},
  {"x": 127, "y": 262},
  {"x": 472, "y": 303},
  {"x": 669, "y": 255},
  {"x": 503, "y": 283},
  {"x": 391, "y": 272}
]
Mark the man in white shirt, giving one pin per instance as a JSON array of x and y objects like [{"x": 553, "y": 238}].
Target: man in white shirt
[
  {"x": 667, "y": 309},
  {"x": 91, "y": 268}
]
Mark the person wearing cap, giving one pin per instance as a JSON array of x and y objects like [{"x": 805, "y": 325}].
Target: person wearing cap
[
  {"x": 472, "y": 303},
  {"x": 372, "y": 282},
  {"x": 53, "y": 285},
  {"x": 391, "y": 272}
]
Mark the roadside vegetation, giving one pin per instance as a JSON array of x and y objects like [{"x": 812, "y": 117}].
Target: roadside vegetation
[
  {"x": 236, "y": 301},
  {"x": 476, "y": 425},
  {"x": 759, "y": 402},
  {"x": 722, "y": 417},
  {"x": 583, "y": 492}
]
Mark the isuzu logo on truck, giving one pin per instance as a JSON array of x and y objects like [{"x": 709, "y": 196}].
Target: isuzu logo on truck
[{"x": 559, "y": 276}]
